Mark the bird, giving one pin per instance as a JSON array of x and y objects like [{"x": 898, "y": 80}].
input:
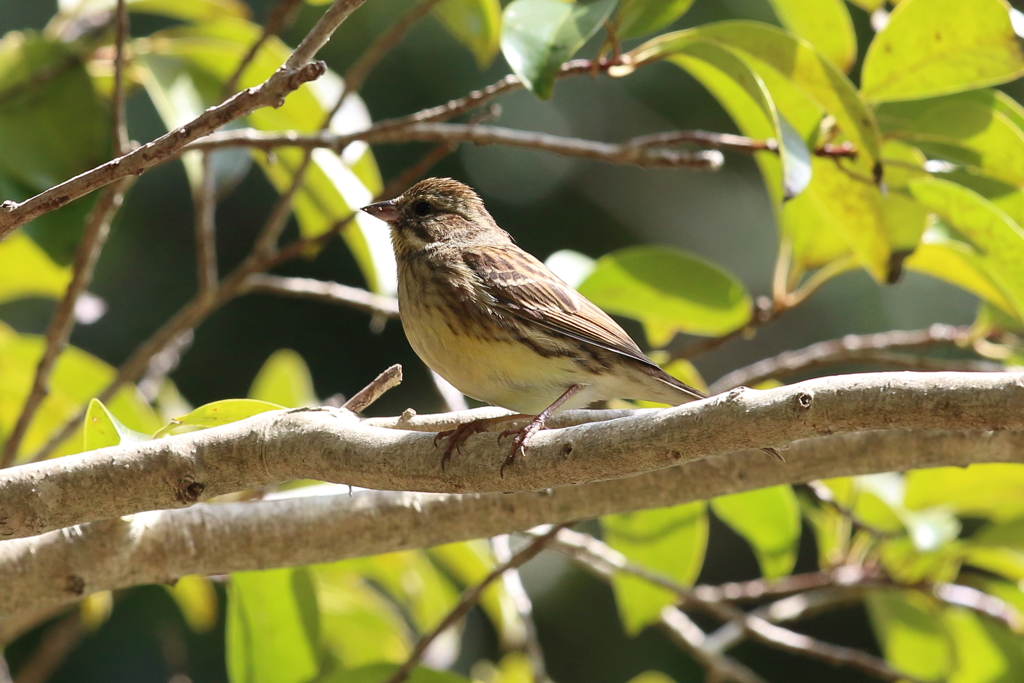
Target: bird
[{"x": 500, "y": 326}]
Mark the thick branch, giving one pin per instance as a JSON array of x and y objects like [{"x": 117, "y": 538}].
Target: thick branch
[
  {"x": 155, "y": 547},
  {"x": 336, "y": 446}
]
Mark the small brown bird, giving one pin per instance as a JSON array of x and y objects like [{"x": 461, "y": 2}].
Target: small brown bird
[{"x": 499, "y": 325}]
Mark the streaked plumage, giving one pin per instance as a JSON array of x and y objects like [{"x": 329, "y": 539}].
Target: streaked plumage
[{"x": 497, "y": 323}]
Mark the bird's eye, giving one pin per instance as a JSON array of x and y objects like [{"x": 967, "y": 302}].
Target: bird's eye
[{"x": 422, "y": 208}]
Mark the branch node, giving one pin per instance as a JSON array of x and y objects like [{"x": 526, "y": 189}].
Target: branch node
[{"x": 803, "y": 400}]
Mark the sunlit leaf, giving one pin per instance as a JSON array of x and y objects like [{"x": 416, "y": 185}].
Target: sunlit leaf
[
  {"x": 967, "y": 129},
  {"x": 197, "y": 599},
  {"x": 935, "y": 47},
  {"x": 984, "y": 650},
  {"x": 912, "y": 638},
  {"x": 221, "y": 413},
  {"x": 76, "y": 378},
  {"x": 186, "y": 10},
  {"x": 272, "y": 627},
  {"x": 476, "y": 24},
  {"x": 376, "y": 673},
  {"x": 470, "y": 562},
  {"x": 769, "y": 520},
  {"x": 284, "y": 380},
  {"x": 670, "y": 541},
  {"x": 669, "y": 290},
  {"x": 640, "y": 17},
  {"x": 993, "y": 490},
  {"x": 825, "y": 24},
  {"x": 357, "y": 623},
  {"x": 959, "y": 263},
  {"x": 994, "y": 234},
  {"x": 538, "y": 36},
  {"x": 26, "y": 271},
  {"x": 102, "y": 429}
]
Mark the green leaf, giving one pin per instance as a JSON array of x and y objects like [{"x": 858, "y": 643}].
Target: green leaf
[
  {"x": 358, "y": 624},
  {"x": 52, "y": 124},
  {"x": 272, "y": 627},
  {"x": 379, "y": 673},
  {"x": 959, "y": 263},
  {"x": 868, "y": 5},
  {"x": 197, "y": 599},
  {"x": 185, "y": 10},
  {"x": 77, "y": 377},
  {"x": 668, "y": 290},
  {"x": 769, "y": 520},
  {"x": 985, "y": 651},
  {"x": 652, "y": 677},
  {"x": 994, "y": 234},
  {"x": 912, "y": 638},
  {"x": 936, "y": 47},
  {"x": 637, "y": 18},
  {"x": 992, "y": 490},
  {"x": 474, "y": 23},
  {"x": 220, "y": 413},
  {"x": 1005, "y": 562},
  {"x": 670, "y": 541},
  {"x": 1007, "y": 197},
  {"x": 825, "y": 24},
  {"x": 102, "y": 429},
  {"x": 538, "y": 36},
  {"x": 335, "y": 185},
  {"x": 967, "y": 129},
  {"x": 731, "y": 80},
  {"x": 284, "y": 380},
  {"x": 515, "y": 667},
  {"x": 413, "y": 582},
  {"x": 26, "y": 271},
  {"x": 470, "y": 562}
]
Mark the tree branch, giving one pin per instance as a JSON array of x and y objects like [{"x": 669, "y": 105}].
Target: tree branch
[
  {"x": 329, "y": 292},
  {"x": 469, "y": 598},
  {"x": 336, "y": 446},
  {"x": 295, "y": 71},
  {"x": 154, "y": 547},
  {"x": 867, "y": 348},
  {"x": 626, "y": 153}
]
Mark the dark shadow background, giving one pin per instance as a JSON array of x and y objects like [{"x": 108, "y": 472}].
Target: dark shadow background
[{"x": 548, "y": 203}]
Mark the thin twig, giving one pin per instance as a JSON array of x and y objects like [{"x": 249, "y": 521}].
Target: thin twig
[
  {"x": 762, "y": 313},
  {"x": 329, "y": 292},
  {"x": 281, "y": 15},
  {"x": 469, "y": 599},
  {"x": 118, "y": 124},
  {"x": 383, "y": 44},
  {"x": 627, "y": 153},
  {"x": 15, "y": 214},
  {"x": 688, "y": 636},
  {"x": 205, "y": 203},
  {"x": 586, "y": 549},
  {"x": 867, "y": 348},
  {"x": 97, "y": 228},
  {"x": 385, "y": 381},
  {"x": 513, "y": 584}
]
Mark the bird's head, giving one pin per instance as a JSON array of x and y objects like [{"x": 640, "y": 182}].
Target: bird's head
[{"x": 436, "y": 210}]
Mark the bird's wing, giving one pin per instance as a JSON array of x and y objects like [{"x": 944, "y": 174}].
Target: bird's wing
[{"x": 525, "y": 288}]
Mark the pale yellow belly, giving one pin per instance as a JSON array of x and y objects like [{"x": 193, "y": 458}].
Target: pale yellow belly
[{"x": 503, "y": 373}]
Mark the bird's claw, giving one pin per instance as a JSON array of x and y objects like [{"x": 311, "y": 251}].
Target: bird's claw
[{"x": 518, "y": 444}]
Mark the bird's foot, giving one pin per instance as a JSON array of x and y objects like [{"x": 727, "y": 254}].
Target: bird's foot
[
  {"x": 522, "y": 434},
  {"x": 456, "y": 437}
]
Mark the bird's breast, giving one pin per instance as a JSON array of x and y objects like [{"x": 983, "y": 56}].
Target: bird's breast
[{"x": 480, "y": 351}]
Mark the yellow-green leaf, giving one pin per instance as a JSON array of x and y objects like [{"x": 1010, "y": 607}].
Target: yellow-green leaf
[
  {"x": 474, "y": 23},
  {"x": 284, "y": 380},
  {"x": 825, "y": 24},
  {"x": 936, "y": 47},
  {"x": 769, "y": 520}
]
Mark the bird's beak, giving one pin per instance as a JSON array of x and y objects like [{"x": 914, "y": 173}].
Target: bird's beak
[{"x": 386, "y": 211}]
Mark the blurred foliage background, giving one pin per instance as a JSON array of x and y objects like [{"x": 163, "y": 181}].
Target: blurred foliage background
[{"x": 548, "y": 203}]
